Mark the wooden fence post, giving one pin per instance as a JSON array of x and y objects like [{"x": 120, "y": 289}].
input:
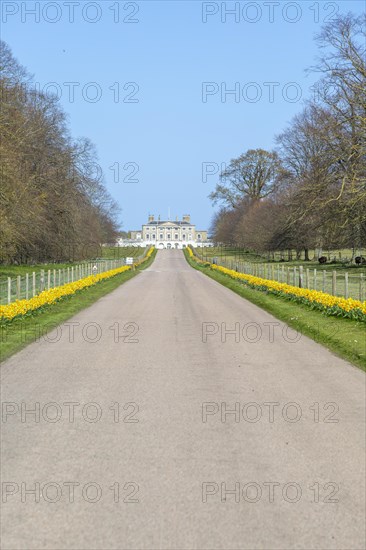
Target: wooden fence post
[
  {"x": 362, "y": 287},
  {"x": 346, "y": 285},
  {"x": 48, "y": 279},
  {"x": 54, "y": 277},
  {"x": 334, "y": 283},
  {"x": 26, "y": 286},
  {"x": 72, "y": 274},
  {"x": 9, "y": 290},
  {"x": 314, "y": 280},
  {"x": 18, "y": 287},
  {"x": 287, "y": 275},
  {"x": 34, "y": 283},
  {"x": 307, "y": 279},
  {"x": 324, "y": 280},
  {"x": 68, "y": 274},
  {"x": 301, "y": 276},
  {"x": 295, "y": 277}
]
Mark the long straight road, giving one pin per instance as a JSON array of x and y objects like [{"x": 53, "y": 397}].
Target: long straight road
[{"x": 173, "y": 414}]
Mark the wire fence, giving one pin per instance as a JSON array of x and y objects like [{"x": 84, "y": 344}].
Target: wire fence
[
  {"x": 33, "y": 283},
  {"x": 342, "y": 284}
]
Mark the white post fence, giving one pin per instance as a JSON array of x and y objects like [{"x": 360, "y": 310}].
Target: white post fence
[
  {"x": 348, "y": 284},
  {"x": 32, "y": 284}
]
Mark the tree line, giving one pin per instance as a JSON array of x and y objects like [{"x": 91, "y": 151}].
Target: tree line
[
  {"x": 310, "y": 191},
  {"x": 54, "y": 205}
]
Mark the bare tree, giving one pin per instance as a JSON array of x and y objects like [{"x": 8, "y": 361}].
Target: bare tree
[
  {"x": 253, "y": 175},
  {"x": 50, "y": 202}
]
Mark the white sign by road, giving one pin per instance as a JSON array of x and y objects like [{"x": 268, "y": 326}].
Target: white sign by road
[{"x": 129, "y": 261}]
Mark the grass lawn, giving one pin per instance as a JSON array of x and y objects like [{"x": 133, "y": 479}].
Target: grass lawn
[
  {"x": 344, "y": 337},
  {"x": 117, "y": 252},
  {"x": 20, "y": 333}
]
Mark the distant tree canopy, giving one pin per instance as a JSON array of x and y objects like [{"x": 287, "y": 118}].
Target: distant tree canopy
[
  {"x": 53, "y": 207},
  {"x": 311, "y": 192},
  {"x": 252, "y": 175}
]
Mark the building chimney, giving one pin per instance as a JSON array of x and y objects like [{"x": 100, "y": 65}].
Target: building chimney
[
  {"x": 151, "y": 218},
  {"x": 187, "y": 218}
]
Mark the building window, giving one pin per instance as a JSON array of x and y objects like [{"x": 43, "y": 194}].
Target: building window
[
  {"x": 176, "y": 237},
  {"x": 184, "y": 237},
  {"x": 169, "y": 236},
  {"x": 153, "y": 237},
  {"x": 161, "y": 236},
  {"x": 198, "y": 236}
]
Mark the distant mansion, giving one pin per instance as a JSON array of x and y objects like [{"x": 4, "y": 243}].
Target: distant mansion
[{"x": 167, "y": 234}]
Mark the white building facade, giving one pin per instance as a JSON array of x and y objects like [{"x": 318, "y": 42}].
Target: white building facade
[{"x": 167, "y": 234}]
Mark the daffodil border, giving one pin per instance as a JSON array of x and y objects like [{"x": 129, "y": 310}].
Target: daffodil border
[
  {"x": 21, "y": 308},
  {"x": 330, "y": 305}
]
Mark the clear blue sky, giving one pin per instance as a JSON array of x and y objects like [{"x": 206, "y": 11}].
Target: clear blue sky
[{"x": 169, "y": 52}]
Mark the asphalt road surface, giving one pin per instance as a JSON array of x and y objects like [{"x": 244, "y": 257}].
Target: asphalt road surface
[{"x": 173, "y": 414}]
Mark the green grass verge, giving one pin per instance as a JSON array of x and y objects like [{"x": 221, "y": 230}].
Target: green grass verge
[
  {"x": 344, "y": 337},
  {"x": 20, "y": 333}
]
